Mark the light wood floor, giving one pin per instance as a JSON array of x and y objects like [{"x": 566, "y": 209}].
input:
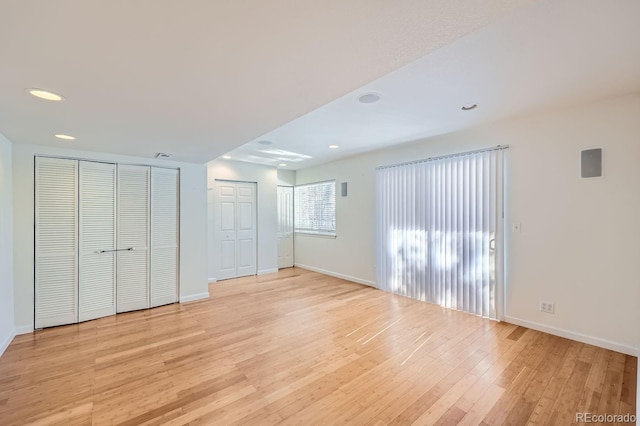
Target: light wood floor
[{"x": 302, "y": 348}]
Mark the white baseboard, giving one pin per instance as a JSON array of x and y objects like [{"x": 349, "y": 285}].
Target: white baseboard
[
  {"x": 268, "y": 271},
  {"x": 194, "y": 297},
  {"x": 212, "y": 280},
  {"x": 4, "y": 345},
  {"x": 24, "y": 329},
  {"x": 337, "y": 275},
  {"x": 584, "y": 338}
]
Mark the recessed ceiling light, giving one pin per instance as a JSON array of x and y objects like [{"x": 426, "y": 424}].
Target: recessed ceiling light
[
  {"x": 265, "y": 142},
  {"x": 468, "y": 107},
  {"x": 45, "y": 94},
  {"x": 282, "y": 165},
  {"x": 226, "y": 157},
  {"x": 163, "y": 155},
  {"x": 334, "y": 146},
  {"x": 369, "y": 98},
  {"x": 65, "y": 137}
]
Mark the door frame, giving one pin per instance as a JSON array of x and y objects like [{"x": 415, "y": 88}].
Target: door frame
[
  {"x": 293, "y": 223},
  {"x": 216, "y": 201}
]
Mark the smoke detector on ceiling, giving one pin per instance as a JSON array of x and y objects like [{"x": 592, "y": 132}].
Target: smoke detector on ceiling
[
  {"x": 163, "y": 155},
  {"x": 369, "y": 98}
]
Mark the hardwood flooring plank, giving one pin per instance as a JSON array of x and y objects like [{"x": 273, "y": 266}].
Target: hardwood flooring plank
[
  {"x": 517, "y": 333},
  {"x": 629, "y": 380}
]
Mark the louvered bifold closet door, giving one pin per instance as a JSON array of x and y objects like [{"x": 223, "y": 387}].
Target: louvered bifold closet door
[
  {"x": 164, "y": 236},
  {"x": 97, "y": 239},
  {"x": 56, "y": 230},
  {"x": 133, "y": 238}
]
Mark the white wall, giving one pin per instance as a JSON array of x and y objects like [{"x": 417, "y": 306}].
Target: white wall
[
  {"x": 267, "y": 182},
  {"x": 7, "y": 330},
  {"x": 286, "y": 177},
  {"x": 579, "y": 242},
  {"x": 193, "y": 224},
  {"x": 352, "y": 253}
]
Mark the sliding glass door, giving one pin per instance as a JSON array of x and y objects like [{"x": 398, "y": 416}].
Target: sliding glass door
[{"x": 439, "y": 228}]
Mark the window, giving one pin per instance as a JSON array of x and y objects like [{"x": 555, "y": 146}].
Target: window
[{"x": 315, "y": 208}]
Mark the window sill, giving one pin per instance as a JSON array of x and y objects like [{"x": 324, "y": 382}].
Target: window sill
[{"x": 315, "y": 234}]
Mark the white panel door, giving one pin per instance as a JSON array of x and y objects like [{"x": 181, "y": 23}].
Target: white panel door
[
  {"x": 225, "y": 226},
  {"x": 285, "y": 226},
  {"x": 56, "y": 239},
  {"x": 164, "y": 236},
  {"x": 246, "y": 225},
  {"x": 235, "y": 229},
  {"x": 212, "y": 239},
  {"x": 97, "y": 239},
  {"x": 133, "y": 238}
]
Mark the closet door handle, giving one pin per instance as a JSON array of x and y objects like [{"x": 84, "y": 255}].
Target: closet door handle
[{"x": 109, "y": 251}]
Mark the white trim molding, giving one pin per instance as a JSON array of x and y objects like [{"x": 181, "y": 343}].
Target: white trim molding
[
  {"x": 268, "y": 271},
  {"x": 584, "y": 338},
  {"x": 194, "y": 297},
  {"x": 212, "y": 280},
  {"x": 4, "y": 345},
  {"x": 337, "y": 275}
]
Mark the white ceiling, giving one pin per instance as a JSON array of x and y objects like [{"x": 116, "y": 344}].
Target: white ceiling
[
  {"x": 545, "y": 55},
  {"x": 200, "y": 78}
]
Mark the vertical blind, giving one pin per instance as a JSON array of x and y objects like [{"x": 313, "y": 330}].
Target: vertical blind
[
  {"x": 315, "y": 208},
  {"x": 439, "y": 230}
]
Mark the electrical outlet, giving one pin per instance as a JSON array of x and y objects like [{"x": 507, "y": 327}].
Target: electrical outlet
[
  {"x": 547, "y": 307},
  {"x": 517, "y": 227}
]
